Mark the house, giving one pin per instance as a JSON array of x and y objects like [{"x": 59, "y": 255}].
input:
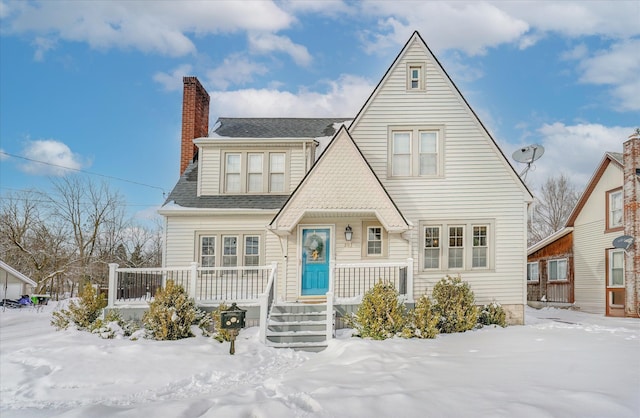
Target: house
[
  {"x": 14, "y": 284},
  {"x": 580, "y": 264},
  {"x": 313, "y": 212}
]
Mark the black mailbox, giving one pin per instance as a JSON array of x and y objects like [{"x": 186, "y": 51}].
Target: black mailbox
[{"x": 232, "y": 318}]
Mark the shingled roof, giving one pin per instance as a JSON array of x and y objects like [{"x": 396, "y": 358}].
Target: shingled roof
[{"x": 277, "y": 127}]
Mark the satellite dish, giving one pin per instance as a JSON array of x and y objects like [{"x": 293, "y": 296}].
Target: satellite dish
[
  {"x": 623, "y": 242},
  {"x": 528, "y": 155}
]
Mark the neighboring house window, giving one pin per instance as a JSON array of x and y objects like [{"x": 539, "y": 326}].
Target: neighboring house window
[
  {"x": 557, "y": 269},
  {"x": 615, "y": 209},
  {"x": 616, "y": 268},
  {"x": 456, "y": 246},
  {"x": 208, "y": 251},
  {"x": 232, "y": 173},
  {"x": 254, "y": 172},
  {"x": 415, "y": 77},
  {"x": 230, "y": 251},
  {"x": 276, "y": 172},
  {"x": 432, "y": 247},
  {"x": 480, "y": 247},
  {"x": 251, "y": 250},
  {"x": 415, "y": 151},
  {"x": 374, "y": 240},
  {"x": 532, "y": 272}
]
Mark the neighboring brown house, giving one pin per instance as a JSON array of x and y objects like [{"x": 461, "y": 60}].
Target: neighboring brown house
[{"x": 596, "y": 277}]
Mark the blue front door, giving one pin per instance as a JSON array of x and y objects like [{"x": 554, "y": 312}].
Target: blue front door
[{"x": 315, "y": 261}]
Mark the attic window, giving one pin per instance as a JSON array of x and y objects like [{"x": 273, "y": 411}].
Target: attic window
[{"x": 415, "y": 77}]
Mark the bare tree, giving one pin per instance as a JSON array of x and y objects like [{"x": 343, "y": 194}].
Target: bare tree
[{"x": 551, "y": 209}]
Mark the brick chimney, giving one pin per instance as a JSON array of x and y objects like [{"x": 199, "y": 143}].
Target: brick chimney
[
  {"x": 631, "y": 159},
  {"x": 195, "y": 118}
]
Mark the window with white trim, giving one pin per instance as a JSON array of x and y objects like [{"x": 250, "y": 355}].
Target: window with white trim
[
  {"x": 251, "y": 250},
  {"x": 415, "y": 151},
  {"x": 208, "y": 251},
  {"x": 254, "y": 172},
  {"x": 229, "y": 251},
  {"x": 616, "y": 268},
  {"x": 431, "y": 247},
  {"x": 615, "y": 209},
  {"x": 374, "y": 240},
  {"x": 479, "y": 257},
  {"x": 415, "y": 76},
  {"x": 557, "y": 269},
  {"x": 456, "y": 247},
  {"x": 532, "y": 272}
]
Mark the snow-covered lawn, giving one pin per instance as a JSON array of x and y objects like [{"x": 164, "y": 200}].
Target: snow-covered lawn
[{"x": 561, "y": 364}]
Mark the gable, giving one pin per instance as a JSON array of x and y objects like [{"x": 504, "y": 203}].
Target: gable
[
  {"x": 10, "y": 271},
  {"x": 340, "y": 182},
  {"x": 439, "y": 106}
]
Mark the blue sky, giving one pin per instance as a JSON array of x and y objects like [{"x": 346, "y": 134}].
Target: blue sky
[{"x": 96, "y": 86}]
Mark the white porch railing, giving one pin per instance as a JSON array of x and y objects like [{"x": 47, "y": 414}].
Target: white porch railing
[
  {"x": 206, "y": 285},
  {"x": 353, "y": 280}
]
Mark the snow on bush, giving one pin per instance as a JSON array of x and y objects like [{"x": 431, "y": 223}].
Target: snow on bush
[
  {"x": 170, "y": 314},
  {"x": 422, "y": 322},
  {"x": 82, "y": 312},
  {"x": 493, "y": 313},
  {"x": 454, "y": 304},
  {"x": 381, "y": 315}
]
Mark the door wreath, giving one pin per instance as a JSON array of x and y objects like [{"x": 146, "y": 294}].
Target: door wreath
[{"x": 314, "y": 246}]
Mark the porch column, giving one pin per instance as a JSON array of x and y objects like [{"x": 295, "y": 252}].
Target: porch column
[
  {"x": 113, "y": 278},
  {"x": 193, "y": 280},
  {"x": 409, "y": 279}
]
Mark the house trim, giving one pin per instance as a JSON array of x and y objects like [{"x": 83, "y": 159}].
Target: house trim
[{"x": 17, "y": 274}]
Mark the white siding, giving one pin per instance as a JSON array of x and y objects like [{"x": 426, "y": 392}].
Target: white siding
[
  {"x": 591, "y": 242},
  {"x": 477, "y": 183}
]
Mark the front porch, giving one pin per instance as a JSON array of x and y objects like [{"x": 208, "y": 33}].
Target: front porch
[{"x": 255, "y": 289}]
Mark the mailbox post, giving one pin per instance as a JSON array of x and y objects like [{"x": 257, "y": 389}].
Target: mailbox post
[{"x": 233, "y": 319}]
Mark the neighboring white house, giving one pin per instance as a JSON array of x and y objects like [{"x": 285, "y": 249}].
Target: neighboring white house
[
  {"x": 413, "y": 185},
  {"x": 14, "y": 284}
]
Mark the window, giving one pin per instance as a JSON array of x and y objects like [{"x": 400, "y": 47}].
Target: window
[
  {"x": 254, "y": 172},
  {"x": 251, "y": 250},
  {"x": 532, "y": 272},
  {"x": 230, "y": 251},
  {"x": 616, "y": 268},
  {"x": 415, "y": 151},
  {"x": 276, "y": 172},
  {"x": 232, "y": 173},
  {"x": 557, "y": 269},
  {"x": 615, "y": 209},
  {"x": 432, "y": 247},
  {"x": 207, "y": 251},
  {"x": 374, "y": 240},
  {"x": 415, "y": 76},
  {"x": 480, "y": 248},
  {"x": 456, "y": 246}
]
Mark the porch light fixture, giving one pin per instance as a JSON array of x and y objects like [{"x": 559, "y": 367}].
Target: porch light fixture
[{"x": 348, "y": 233}]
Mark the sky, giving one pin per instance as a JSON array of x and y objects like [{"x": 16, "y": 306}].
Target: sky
[
  {"x": 559, "y": 364},
  {"x": 94, "y": 88}
]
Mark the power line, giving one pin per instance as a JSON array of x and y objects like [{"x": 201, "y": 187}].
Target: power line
[
  {"x": 84, "y": 171},
  {"x": 48, "y": 195}
]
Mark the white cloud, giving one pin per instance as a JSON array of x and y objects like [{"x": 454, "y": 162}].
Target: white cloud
[
  {"x": 3, "y": 156},
  {"x": 159, "y": 27},
  {"x": 343, "y": 98},
  {"x": 50, "y": 157},
  {"x": 574, "y": 150},
  {"x": 266, "y": 43},
  {"x": 334, "y": 8},
  {"x": 619, "y": 67},
  {"x": 172, "y": 81},
  {"x": 235, "y": 69}
]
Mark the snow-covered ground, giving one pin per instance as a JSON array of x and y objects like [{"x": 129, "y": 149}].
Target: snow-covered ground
[{"x": 561, "y": 364}]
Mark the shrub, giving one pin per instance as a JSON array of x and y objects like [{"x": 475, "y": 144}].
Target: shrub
[
  {"x": 170, "y": 314},
  {"x": 380, "y": 315},
  {"x": 82, "y": 312},
  {"x": 493, "y": 313},
  {"x": 423, "y": 322},
  {"x": 113, "y": 326},
  {"x": 219, "y": 333},
  {"x": 454, "y": 305}
]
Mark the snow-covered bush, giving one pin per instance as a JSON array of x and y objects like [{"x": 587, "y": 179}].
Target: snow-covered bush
[
  {"x": 113, "y": 326},
  {"x": 219, "y": 333},
  {"x": 82, "y": 312},
  {"x": 170, "y": 314},
  {"x": 493, "y": 313},
  {"x": 454, "y": 304},
  {"x": 423, "y": 321},
  {"x": 380, "y": 315}
]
